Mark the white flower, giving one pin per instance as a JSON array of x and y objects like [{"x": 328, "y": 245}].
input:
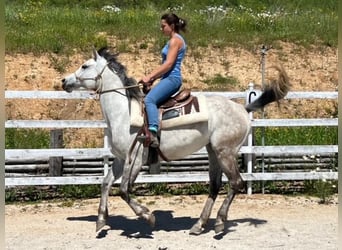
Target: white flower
[{"x": 111, "y": 8}]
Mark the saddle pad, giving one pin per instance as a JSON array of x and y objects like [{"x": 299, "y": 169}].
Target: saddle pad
[{"x": 137, "y": 119}]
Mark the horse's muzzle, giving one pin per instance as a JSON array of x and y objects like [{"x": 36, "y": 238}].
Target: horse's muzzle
[{"x": 65, "y": 86}]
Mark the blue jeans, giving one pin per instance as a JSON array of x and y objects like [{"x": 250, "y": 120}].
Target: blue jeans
[{"x": 157, "y": 95}]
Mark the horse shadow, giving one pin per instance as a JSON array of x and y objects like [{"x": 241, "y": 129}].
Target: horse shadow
[{"x": 165, "y": 221}]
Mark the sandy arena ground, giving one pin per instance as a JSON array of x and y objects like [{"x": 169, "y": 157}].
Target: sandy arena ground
[{"x": 254, "y": 222}]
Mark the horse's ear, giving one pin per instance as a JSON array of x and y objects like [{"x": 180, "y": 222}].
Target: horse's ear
[{"x": 96, "y": 55}]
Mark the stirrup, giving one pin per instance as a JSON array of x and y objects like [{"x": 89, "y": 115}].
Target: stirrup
[
  {"x": 141, "y": 138},
  {"x": 154, "y": 140}
]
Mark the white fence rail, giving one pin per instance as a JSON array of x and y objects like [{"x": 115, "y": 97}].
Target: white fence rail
[
  {"x": 101, "y": 123},
  {"x": 19, "y": 154}
]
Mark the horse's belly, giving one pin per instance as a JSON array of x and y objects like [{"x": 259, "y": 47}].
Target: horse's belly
[{"x": 176, "y": 144}]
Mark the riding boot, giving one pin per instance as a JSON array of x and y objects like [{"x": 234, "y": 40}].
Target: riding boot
[{"x": 154, "y": 140}]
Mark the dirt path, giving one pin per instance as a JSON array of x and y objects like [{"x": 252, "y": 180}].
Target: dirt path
[{"x": 255, "y": 222}]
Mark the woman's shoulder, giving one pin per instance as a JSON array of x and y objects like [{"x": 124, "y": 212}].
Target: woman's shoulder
[
  {"x": 177, "y": 39},
  {"x": 179, "y": 36}
]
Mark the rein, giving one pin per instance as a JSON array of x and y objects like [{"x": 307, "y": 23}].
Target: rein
[{"x": 116, "y": 89}]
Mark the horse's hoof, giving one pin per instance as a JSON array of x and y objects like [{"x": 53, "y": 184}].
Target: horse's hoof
[
  {"x": 151, "y": 220},
  {"x": 100, "y": 224},
  {"x": 219, "y": 228},
  {"x": 196, "y": 229}
]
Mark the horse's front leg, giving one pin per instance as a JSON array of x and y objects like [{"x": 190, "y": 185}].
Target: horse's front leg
[
  {"x": 112, "y": 175},
  {"x": 131, "y": 171},
  {"x": 103, "y": 209}
]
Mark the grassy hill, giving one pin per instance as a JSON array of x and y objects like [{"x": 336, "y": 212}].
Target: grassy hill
[{"x": 63, "y": 26}]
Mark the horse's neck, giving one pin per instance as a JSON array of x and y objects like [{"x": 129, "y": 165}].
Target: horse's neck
[{"x": 115, "y": 110}]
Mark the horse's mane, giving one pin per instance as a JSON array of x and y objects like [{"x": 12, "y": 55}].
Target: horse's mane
[{"x": 120, "y": 70}]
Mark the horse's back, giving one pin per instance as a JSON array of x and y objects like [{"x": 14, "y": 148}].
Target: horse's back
[
  {"x": 223, "y": 109},
  {"x": 228, "y": 121},
  {"x": 227, "y": 126}
]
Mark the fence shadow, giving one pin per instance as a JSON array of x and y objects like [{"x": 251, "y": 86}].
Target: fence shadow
[{"x": 165, "y": 221}]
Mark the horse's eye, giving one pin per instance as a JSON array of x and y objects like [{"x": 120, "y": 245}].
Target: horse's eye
[{"x": 84, "y": 66}]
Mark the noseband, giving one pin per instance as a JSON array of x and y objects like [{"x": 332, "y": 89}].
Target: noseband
[{"x": 95, "y": 79}]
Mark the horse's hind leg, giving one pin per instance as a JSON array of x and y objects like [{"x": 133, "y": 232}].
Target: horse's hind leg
[
  {"x": 131, "y": 171},
  {"x": 230, "y": 168},
  {"x": 111, "y": 176},
  {"x": 215, "y": 177}
]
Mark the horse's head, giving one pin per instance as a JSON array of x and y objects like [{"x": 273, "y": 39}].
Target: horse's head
[
  {"x": 87, "y": 76},
  {"x": 103, "y": 74}
]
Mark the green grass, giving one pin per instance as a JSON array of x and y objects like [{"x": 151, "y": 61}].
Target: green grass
[
  {"x": 63, "y": 26},
  {"x": 322, "y": 189},
  {"x": 38, "y": 138},
  {"x": 26, "y": 138},
  {"x": 176, "y": 189},
  {"x": 221, "y": 83},
  {"x": 297, "y": 136},
  {"x": 67, "y": 193}
]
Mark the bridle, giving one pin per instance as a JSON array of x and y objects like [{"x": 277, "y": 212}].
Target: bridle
[{"x": 97, "y": 78}]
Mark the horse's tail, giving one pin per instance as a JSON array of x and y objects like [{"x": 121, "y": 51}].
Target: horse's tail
[{"x": 275, "y": 91}]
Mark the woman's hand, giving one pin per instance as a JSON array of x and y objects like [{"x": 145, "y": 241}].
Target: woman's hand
[
  {"x": 147, "y": 83},
  {"x": 146, "y": 79}
]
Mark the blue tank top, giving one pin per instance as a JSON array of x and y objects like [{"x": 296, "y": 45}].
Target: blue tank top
[{"x": 176, "y": 68}]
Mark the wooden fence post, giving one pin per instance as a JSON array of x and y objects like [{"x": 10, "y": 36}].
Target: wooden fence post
[{"x": 56, "y": 163}]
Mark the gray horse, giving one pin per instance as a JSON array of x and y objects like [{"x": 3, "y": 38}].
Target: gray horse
[{"x": 223, "y": 134}]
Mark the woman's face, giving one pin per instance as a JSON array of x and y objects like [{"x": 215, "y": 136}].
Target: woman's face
[{"x": 165, "y": 28}]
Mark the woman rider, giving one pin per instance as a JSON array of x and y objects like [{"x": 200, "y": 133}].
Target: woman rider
[{"x": 169, "y": 72}]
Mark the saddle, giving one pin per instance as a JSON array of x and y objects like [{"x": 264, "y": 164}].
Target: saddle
[
  {"x": 177, "y": 105},
  {"x": 179, "y": 98}
]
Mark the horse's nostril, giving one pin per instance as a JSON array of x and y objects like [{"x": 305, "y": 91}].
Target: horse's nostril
[{"x": 63, "y": 83}]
